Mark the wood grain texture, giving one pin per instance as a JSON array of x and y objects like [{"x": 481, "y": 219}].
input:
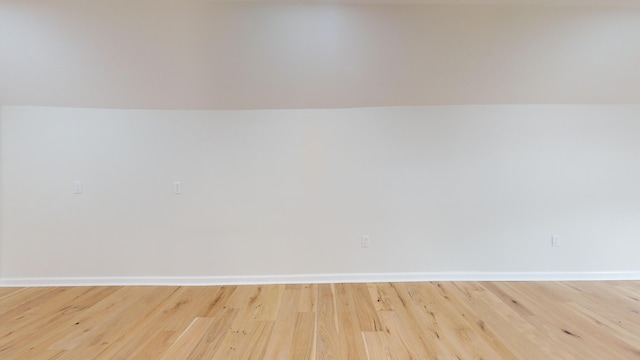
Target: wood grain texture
[{"x": 431, "y": 320}]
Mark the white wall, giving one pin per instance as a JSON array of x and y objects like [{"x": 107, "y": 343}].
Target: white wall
[
  {"x": 459, "y": 188},
  {"x": 439, "y": 189},
  {"x": 1, "y": 191}
]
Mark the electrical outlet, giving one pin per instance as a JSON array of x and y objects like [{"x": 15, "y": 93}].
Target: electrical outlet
[
  {"x": 364, "y": 241},
  {"x": 555, "y": 240},
  {"x": 77, "y": 187},
  {"x": 177, "y": 187}
]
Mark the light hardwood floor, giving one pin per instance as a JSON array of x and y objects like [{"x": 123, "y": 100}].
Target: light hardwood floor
[{"x": 464, "y": 320}]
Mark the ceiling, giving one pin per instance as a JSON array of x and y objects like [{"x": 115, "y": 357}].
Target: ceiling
[
  {"x": 204, "y": 55},
  {"x": 599, "y": 3}
]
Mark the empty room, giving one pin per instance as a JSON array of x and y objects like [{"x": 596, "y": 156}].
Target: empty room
[{"x": 319, "y": 179}]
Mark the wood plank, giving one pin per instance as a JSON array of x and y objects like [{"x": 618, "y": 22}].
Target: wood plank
[
  {"x": 51, "y": 321},
  {"x": 121, "y": 309},
  {"x": 349, "y": 327},
  {"x": 512, "y": 336},
  {"x": 453, "y": 324},
  {"x": 304, "y": 337},
  {"x": 149, "y": 332},
  {"x": 380, "y": 347},
  {"x": 365, "y": 309},
  {"x": 219, "y": 302},
  {"x": 566, "y": 327},
  {"x": 308, "y": 298},
  {"x": 381, "y": 301},
  {"x": 284, "y": 327},
  {"x": 248, "y": 336},
  {"x": 404, "y": 321},
  {"x": 212, "y": 338},
  {"x": 18, "y": 307},
  {"x": 189, "y": 339},
  {"x": 162, "y": 324},
  {"x": 441, "y": 320},
  {"x": 328, "y": 346},
  {"x": 268, "y": 304},
  {"x": 6, "y": 292}
]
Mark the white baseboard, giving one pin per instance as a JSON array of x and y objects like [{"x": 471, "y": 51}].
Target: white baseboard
[{"x": 316, "y": 278}]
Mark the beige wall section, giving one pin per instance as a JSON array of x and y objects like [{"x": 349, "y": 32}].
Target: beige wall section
[
  {"x": 207, "y": 55},
  {"x": 460, "y": 188}
]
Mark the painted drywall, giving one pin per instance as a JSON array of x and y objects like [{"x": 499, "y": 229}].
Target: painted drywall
[
  {"x": 1, "y": 191},
  {"x": 273, "y": 192},
  {"x": 442, "y": 190},
  {"x": 206, "y": 55}
]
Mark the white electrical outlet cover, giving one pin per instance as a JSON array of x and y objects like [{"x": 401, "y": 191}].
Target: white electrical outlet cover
[
  {"x": 77, "y": 187},
  {"x": 364, "y": 241}
]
